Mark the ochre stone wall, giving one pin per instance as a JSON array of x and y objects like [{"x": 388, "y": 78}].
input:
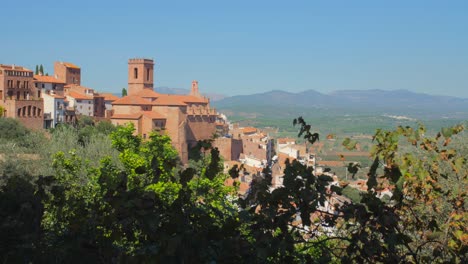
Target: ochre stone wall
[
  {"x": 200, "y": 128},
  {"x": 31, "y": 112},
  {"x": 67, "y": 75},
  {"x": 126, "y": 109},
  {"x": 229, "y": 148},
  {"x": 122, "y": 122}
]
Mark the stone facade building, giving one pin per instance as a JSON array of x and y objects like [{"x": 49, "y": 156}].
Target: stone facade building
[
  {"x": 18, "y": 96},
  {"x": 67, "y": 72},
  {"x": 185, "y": 118}
]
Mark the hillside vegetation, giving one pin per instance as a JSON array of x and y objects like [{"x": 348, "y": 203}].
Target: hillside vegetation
[{"x": 100, "y": 194}]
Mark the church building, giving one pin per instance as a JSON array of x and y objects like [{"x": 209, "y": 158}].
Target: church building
[{"x": 185, "y": 118}]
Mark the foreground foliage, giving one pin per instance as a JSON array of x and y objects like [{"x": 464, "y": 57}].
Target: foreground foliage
[{"x": 131, "y": 201}]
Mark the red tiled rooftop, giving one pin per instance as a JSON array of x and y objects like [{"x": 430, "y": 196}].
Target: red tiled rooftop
[
  {"x": 148, "y": 93},
  {"x": 109, "y": 97},
  {"x": 131, "y": 100},
  {"x": 17, "y": 68},
  {"x": 80, "y": 96},
  {"x": 169, "y": 100},
  {"x": 47, "y": 79},
  {"x": 249, "y": 130},
  {"x": 70, "y": 65},
  {"x": 193, "y": 99}
]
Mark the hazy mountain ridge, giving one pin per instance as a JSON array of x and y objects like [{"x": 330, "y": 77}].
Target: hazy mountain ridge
[{"x": 363, "y": 101}]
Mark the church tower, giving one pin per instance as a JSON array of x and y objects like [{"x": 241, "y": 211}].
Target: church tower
[
  {"x": 194, "y": 91},
  {"x": 140, "y": 75}
]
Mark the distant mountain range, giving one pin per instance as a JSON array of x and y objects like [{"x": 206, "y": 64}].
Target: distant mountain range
[
  {"x": 278, "y": 103},
  {"x": 351, "y": 101}
]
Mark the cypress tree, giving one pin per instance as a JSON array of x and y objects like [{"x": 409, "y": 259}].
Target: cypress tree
[
  {"x": 37, "y": 70},
  {"x": 41, "y": 69}
]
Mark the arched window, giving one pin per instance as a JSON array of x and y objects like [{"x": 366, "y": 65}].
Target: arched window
[
  {"x": 19, "y": 112},
  {"x": 34, "y": 111},
  {"x": 135, "y": 73},
  {"x": 147, "y": 74},
  {"x": 39, "y": 112}
]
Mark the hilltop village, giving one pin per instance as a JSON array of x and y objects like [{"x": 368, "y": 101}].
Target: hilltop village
[{"x": 41, "y": 102}]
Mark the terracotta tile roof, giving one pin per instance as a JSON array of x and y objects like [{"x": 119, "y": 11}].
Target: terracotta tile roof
[
  {"x": 148, "y": 93},
  {"x": 192, "y": 99},
  {"x": 78, "y": 88},
  {"x": 131, "y": 100},
  {"x": 129, "y": 116},
  {"x": 169, "y": 100},
  {"x": 109, "y": 97},
  {"x": 17, "y": 68},
  {"x": 249, "y": 130},
  {"x": 153, "y": 115},
  {"x": 47, "y": 79},
  {"x": 79, "y": 96},
  {"x": 70, "y": 65}
]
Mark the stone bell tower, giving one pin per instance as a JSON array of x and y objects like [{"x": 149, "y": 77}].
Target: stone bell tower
[
  {"x": 194, "y": 91},
  {"x": 140, "y": 75}
]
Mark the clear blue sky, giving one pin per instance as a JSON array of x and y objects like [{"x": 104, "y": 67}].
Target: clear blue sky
[{"x": 242, "y": 47}]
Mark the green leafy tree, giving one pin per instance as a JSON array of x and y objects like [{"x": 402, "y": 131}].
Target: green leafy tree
[
  {"x": 12, "y": 129},
  {"x": 122, "y": 199},
  {"x": 149, "y": 210}
]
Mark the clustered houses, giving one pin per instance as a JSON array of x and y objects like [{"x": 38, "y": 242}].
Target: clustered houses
[
  {"x": 247, "y": 144},
  {"x": 44, "y": 101},
  {"x": 243, "y": 146},
  {"x": 40, "y": 101}
]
